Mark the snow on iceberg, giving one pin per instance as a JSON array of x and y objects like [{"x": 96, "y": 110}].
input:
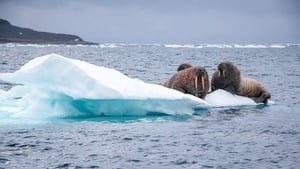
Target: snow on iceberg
[{"x": 55, "y": 86}]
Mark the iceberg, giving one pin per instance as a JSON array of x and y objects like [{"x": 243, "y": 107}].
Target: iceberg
[{"x": 53, "y": 86}]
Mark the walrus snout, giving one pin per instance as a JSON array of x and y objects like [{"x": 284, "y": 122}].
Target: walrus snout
[
  {"x": 201, "y": 94},
  {"x": 222, "y": 73},
  {"x": 199, "y": 73},
  {"x": 202, "y": 82},
  {"x": 223, "y": 67}
]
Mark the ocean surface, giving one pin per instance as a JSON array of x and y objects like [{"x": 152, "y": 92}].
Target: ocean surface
[{"x": 227, "y": 137}]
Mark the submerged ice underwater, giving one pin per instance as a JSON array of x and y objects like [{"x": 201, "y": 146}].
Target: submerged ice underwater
[{"x": 67, "y": 116}]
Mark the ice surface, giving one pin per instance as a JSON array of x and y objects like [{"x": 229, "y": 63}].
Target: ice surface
[
  {"x": 222, "y": 98},
  {"x": 56, "y": 86}
]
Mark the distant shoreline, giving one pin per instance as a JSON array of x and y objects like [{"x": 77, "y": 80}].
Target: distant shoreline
[
  {"x": 41, "y": 42},
  {"x": 14, "y": 34}
]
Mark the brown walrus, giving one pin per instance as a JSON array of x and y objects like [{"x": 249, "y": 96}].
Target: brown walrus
[
  {"x": 190, "y": 80},
  {"x": 228, "y": 77},
  {"x": 183, "y": 66}
]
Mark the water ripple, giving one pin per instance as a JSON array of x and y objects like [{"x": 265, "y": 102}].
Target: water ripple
[{"x": 259, "y": 137}]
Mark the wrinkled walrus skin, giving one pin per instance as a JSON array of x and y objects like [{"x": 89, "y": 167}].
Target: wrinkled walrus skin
[
  {"x": 190, "y": 80},
  {"x": 228, "y": 77}
]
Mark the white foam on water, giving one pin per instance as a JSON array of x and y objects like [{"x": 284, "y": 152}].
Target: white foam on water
[
  {"x": 217, "y": 46},
  {"x": 250, "y": 46},
  {"x": 108, "y": 46},
  {"x": 277, "y": 46},
  {"x": 181, "y": 46}
]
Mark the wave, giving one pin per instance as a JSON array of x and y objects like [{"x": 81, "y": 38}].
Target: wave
[
  {"x": 277, "y": 46},
  {"x": 181, "y": 46},
  {"x": 225, "y": 46},
  {"x": 192, "y": 46},
  {"x": 250, "y": 46},
  {"x": 53, "y": 86},
  {"x": 108, "y": 45}
]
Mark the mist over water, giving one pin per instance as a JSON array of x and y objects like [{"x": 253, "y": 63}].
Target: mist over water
[{"x": 236, "y": 137}]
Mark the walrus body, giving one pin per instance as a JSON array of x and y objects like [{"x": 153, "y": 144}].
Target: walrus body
[
  {"x": 190, "y": 80},
  {"x": 228, "y": 77}
]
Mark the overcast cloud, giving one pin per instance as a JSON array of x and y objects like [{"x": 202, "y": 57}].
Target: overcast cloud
[{"x": 161, "y": 21}]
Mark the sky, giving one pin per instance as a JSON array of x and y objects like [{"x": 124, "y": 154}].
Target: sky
[{"x": 161, "y": 21}]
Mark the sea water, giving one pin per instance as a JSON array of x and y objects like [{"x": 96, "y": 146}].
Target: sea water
[{"x": 223, "y": 137}]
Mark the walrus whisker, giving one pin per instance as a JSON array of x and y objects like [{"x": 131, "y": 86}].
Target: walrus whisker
[
  {"x": 203, "y": 86},
  {"x": 196, "y": 82}
]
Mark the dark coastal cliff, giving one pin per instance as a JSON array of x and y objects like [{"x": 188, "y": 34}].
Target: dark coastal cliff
[{"x": 14, "y": 34}]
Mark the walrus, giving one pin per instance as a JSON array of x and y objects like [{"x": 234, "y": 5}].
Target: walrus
[
  {"x": 228, "y": 77},
  {"x": 183, "y": 66},
  {"x": 190, "y": 80}
]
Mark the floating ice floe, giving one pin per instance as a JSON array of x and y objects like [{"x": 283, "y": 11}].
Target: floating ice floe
[{"x": 56, "y": 86}]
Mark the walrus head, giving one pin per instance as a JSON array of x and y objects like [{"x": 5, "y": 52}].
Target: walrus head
[
  {"x": 227, "y": 77},
  {"x": 183, "y": 66},
  {"x": 201, "y": 82}
]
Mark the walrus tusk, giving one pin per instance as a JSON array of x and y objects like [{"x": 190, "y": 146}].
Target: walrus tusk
[
  {"x": 219, "y": 73},
  {"x": 223, "y": 73},
  {"x": 196, "y": 82},
  {"x": 203, "y": 83}
]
